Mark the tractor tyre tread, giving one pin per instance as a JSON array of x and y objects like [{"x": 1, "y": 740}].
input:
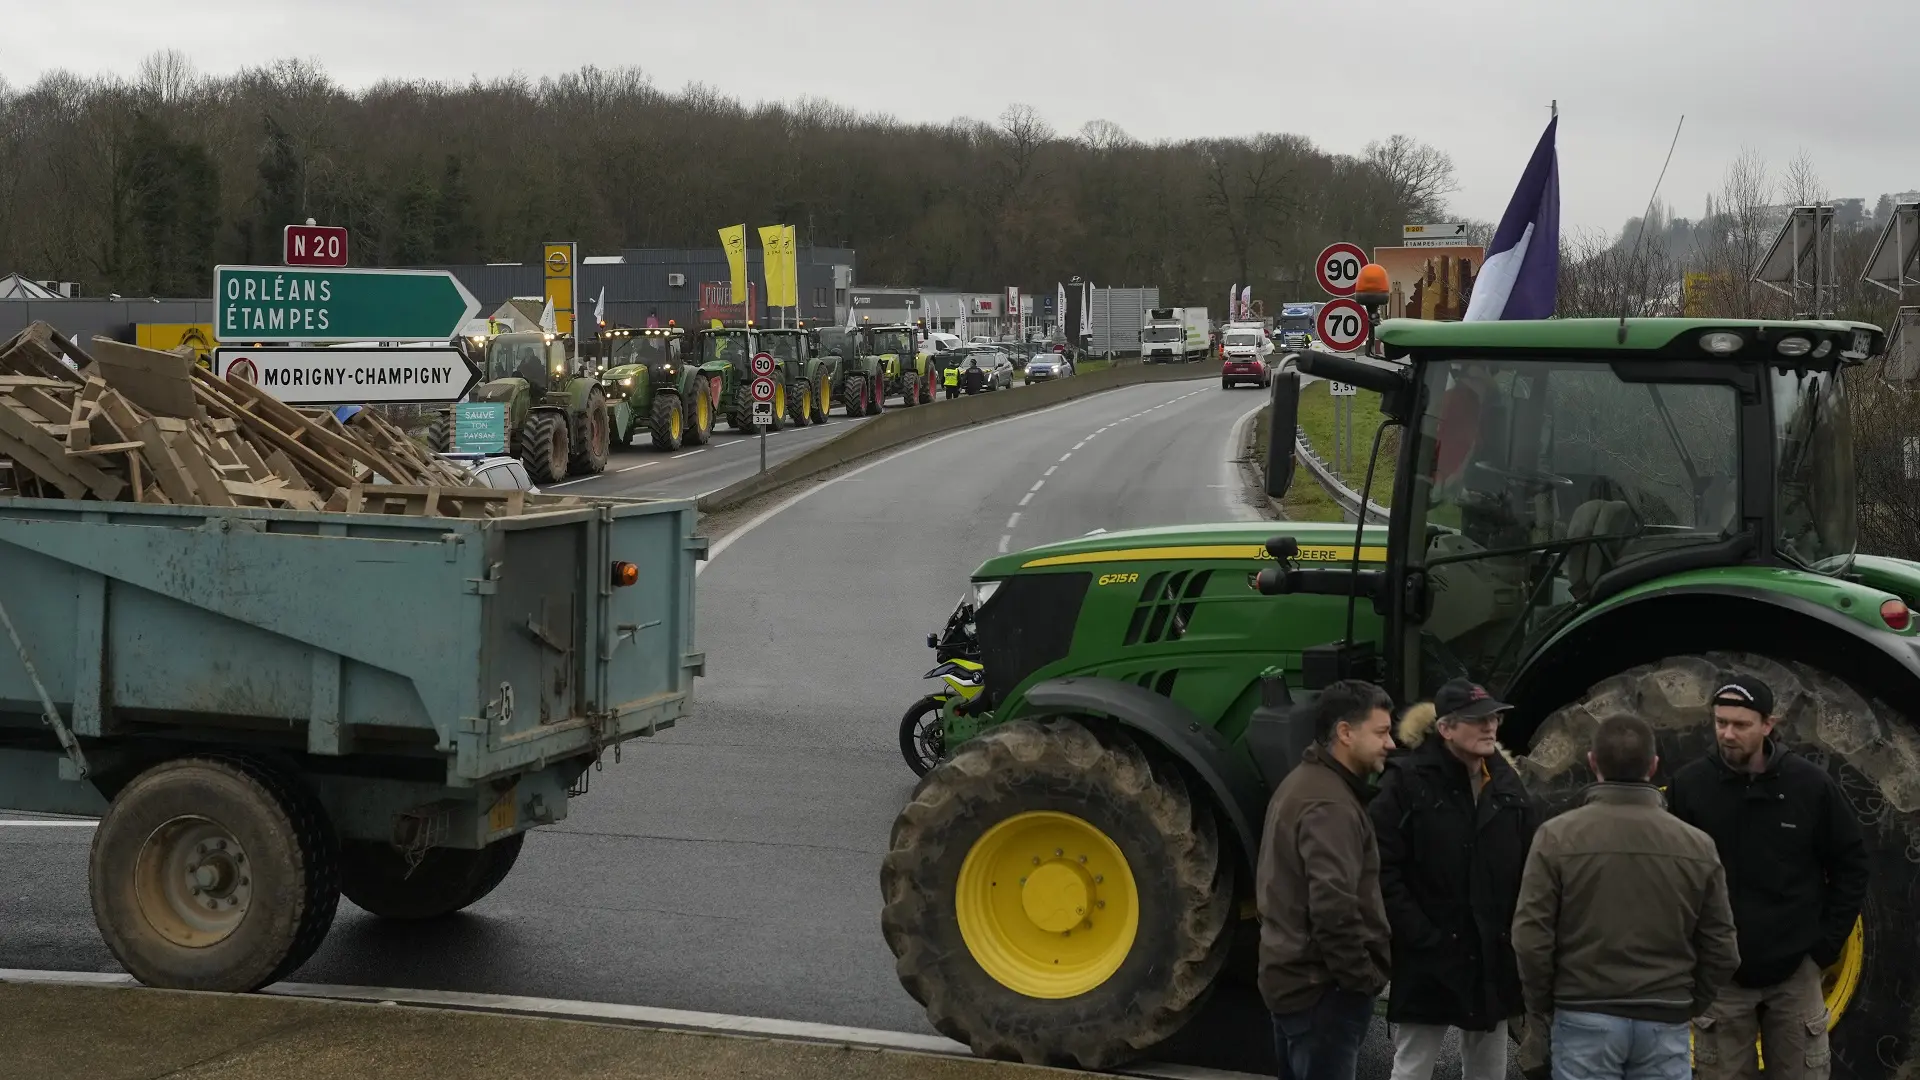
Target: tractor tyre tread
[
  {"x": 853, "y": 395},
  {"x": 584, "y": 458},
  {"x": 544, "y": 466},
  {"x": 660, "y": 421},
  {"x": 1178, "y": 866},
  {"x": 440, "y": 435}
]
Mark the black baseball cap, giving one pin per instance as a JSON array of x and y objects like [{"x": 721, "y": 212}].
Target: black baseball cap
[
  {"x": 1464, "y": 699},
  {"x": 1745, "y": 692}
]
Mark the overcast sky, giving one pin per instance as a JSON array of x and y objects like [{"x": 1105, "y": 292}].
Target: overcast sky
[{"x": 1472, "y": 77}]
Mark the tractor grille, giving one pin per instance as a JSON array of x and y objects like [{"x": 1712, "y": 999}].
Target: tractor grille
[
  {"x": 1166, "y": 606},
  {"x": 1027, "y": 624}
]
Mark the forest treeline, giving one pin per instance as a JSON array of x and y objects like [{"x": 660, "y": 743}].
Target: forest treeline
[{"x": 140, "y": 184}]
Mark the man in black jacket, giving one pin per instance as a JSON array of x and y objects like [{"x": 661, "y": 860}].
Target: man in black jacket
[
  {"x": 1797, "y": 875},
  {"x": 1455, "y": 824}
]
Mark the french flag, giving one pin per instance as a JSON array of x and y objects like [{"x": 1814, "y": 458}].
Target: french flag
[{"x": 1521, "y": 277}]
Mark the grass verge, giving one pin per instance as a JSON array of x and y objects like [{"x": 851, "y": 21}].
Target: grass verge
[
  {"x": 1317, "y": 422},
  {"x": 1305, "y": 500}
]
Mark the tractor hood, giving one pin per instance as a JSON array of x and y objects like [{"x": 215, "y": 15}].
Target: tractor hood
[
  {"x": 499, "y": 390},
  {"x": 1236, "y": 542},
  {"x": 1897, "y": 576}
]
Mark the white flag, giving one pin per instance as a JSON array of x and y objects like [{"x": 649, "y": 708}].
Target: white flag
[
  {"x": 600, "y": 307},
  {"x": 547, "y": 320}
]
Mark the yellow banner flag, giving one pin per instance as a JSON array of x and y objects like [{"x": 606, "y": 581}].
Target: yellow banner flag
[
  {"x": 790, "y": 260},
  {"x": 734, "y": 239},
  {"x": 773, "y": 263}
]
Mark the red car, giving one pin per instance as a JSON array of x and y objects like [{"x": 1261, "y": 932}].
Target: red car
[{"x": 1243, "y": 369}]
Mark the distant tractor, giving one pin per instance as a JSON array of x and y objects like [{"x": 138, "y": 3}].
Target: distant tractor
[
  {"x": 860, "y": 376},
  {"x": 653, "y": 389},
  {"x": 1591, "y": 517},
  {"x": 558, "y": 423},
  {"x": 806, "y": 373}
]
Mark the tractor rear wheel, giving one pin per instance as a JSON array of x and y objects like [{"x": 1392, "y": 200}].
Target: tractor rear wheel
[
  {"x": 824, "y": 406},
  {"x": 1055, "y": 897},
  {"x": 543, "y": 447},
  {"x": 699, "y": 418},
  {"x": 779, "y": 406},
  {"x": 377, "y": 878},
  {"x": 589, "y": 437},
  {"x": 877, "y": 394},
  {"x": 1866, "y": 746},
  {"x": 667, "y": 422},
  {"x": 440, "y": 435},
  {"x": 853, "y": 395}
]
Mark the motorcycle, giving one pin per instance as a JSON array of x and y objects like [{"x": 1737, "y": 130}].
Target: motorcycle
[{"x": 923, "y": 733}]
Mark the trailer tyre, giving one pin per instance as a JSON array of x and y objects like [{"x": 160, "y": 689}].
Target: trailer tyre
[
  {"x": 666, "y": 421},
  {"x": 543, "y": 447},
  {"x": 214, "y": 873},
  {"x": 375, "y": 877},
  {"x": 1054, "y": 896},
  {"x": 1864, "y": 744}
]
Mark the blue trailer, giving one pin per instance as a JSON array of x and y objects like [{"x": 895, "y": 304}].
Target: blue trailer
[{"x": 267, "y": 708}]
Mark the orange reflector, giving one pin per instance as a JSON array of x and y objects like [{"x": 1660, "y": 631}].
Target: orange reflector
[
  {"x": 624, "y": 574},
  {"x": 1895, "y": 614}
]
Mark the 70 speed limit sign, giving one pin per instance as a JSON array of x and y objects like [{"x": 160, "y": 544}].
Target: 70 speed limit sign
[
  {"x": 1338, "y": 268},
  {"x": 1341, "y": 325}
]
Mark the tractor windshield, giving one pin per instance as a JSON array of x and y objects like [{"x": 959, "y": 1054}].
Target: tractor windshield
[
  {"x": 1813, "y": 471},
  {"x": 898, "y": 342},
  {"x": 650, "y": 349},
  {"x": 731, "y": 348},
  {"x": 782, "y": 347},
  {"x": 1534, "y": 480},
  {"x": 510, "y": 358}
]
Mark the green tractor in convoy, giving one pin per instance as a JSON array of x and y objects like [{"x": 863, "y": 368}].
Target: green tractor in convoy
[
  {"x": 803, "y": 369},
  {"x": 871, "y": 360},
  {"x": 726, "y": 357},
  {"x": 1589, "y": 517},
  {"x": 652, "y": 389},
  {"x": 557, "y": 417}
]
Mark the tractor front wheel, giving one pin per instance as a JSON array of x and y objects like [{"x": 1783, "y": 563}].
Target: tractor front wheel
[
  {"x": 909, "y": 391},
  {"x": 853, "y": 395},
  {"x": 543, "y": 447},
  {"x": 590, "y": 438},
  {"x": 877, "y": 401},
  {"x": 824, "y": 406},
  {"x": 1053, "y": 896},
  {"x": 1867, "y": 747},
  {"x": 699, "y": 418},
  {"x": 440, "y": 435},
  {"x": 666, "y": 421}
]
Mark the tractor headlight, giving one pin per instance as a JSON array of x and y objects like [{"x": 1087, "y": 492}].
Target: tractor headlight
[
  {"x": 628, "y": 381},
  {"x": 1721, "y": 343},
  {"x": 982, "y": 592},
  {"x": 1794, "y": 346}
]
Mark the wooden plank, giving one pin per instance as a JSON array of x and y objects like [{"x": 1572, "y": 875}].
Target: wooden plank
[
  {"x": 109, "y": 448},
  {"x": 167, "y": 470},
  {"x": 9, "y": 382},
  {"x": 27, "y": 458},
  {"x": 244, "y": 451},
  {"x": 158, "y": 382},
  {"x": 52, "y": 451},
  {"x": 206, "y": 479},
  {"x": 51, "y": 408},
  {"x": 285, "y": 469},
  {"x": 36, "y": 351}
]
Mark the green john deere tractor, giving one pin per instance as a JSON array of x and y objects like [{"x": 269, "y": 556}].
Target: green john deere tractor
[
  {"x": 651, "y": 388},
  {"x": 726, "y": 357},
  {"x": 869, "y": 361},
  {"x": 1588, "y": 517},
  {"x": 805, "y": 372},
  {"x": 557, "y": 417}
]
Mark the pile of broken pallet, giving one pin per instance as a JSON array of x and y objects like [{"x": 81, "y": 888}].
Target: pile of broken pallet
[{"x": 119, "y": 423}]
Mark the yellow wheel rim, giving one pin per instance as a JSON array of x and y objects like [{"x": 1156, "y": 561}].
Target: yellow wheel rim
[
  {"x": 779, "y": 399},
  {"x": 1047, "y": 905},
  {"x": 703, "y": 412},
  {"x": 826, "y": 397},
  {"x": 674, "y": 424}
]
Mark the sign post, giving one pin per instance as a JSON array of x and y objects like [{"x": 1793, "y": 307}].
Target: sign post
[
  {"x": 282, "y": 304},
  {"x": 761, "y": 391},
  {"x": 342, "y": 376}
]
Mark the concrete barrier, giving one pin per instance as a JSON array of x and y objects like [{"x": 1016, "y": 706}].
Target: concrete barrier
[{"x": 900, "y": 425}]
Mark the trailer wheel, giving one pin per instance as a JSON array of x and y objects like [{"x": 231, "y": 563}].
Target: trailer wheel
[
  {"x": 667, "y": 421},
  {"x": 1863, "y": 743},
  {"x": 213, "y": 873},
  {"x": 376, "y": 877}
]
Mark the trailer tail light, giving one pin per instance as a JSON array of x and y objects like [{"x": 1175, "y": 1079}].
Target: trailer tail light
[
  {"x": 625, "y": 574},
  {"x": 1896, "y": 614}
]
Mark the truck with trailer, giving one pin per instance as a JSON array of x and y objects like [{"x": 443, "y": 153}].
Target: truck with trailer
[
  {"x": 268, "y": 709},
  {"x": 1174, "y": 335},
  {"x": 1589, "y": 517},
  {"x": 1296, "y": 324}
]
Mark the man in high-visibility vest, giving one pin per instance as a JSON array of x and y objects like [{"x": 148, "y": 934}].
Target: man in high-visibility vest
[{"x": 953, "y": 380}]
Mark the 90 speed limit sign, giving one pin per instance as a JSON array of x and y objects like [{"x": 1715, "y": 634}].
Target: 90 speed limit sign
[
  {"x": 763, "y": 362},
  {"x": 1341, "y": 325},
  {"x": 1338, "y": 268}
]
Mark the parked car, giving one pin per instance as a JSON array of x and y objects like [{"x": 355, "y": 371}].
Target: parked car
[
  {"x": 1045, "y": 364},
  {"x": 496, "y": 471},
  {"x": 994, "y": 360}
]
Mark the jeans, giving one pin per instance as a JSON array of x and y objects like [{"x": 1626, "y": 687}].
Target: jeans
[
  {"x": 1416, "y": 1049},
  {"x": 1594, "y": 1046},
  {"x": 1323, "y": 1042}
]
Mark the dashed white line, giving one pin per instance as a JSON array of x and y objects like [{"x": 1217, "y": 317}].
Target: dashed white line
[
  {"x": 642, "y": 465},
  {"x": 1037, "y": 485},
  {"x": 1004, "y": 541},
  {"x": 1027, "y": 498},
  {"x": 1051, "y": 469},
  {"x": 1014, "y": 519},
  {"x": 1066, "y": 455},
  {"x": 1077, "y": 446},
  {"x": 690, "y": 453}
]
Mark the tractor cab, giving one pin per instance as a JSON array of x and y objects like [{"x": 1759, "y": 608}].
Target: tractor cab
[
  {"x": 1547, "y": 469},
  {"x": 535, "y": 361},
  {"x": 733, "y": 346},
  {"x": 894, "y": 341}
]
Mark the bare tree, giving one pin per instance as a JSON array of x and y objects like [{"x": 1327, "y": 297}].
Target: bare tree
[
  {"x": 1251, "y": 191},
  {"x": 167, "y": 77},
  {"x": 1802, "y": 181},
  {"x": 1739, "y": 224},
  {"x": 1421, "y": 175}
]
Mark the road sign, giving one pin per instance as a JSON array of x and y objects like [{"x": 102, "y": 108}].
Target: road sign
[
  {"x": 434, "y": 375},
  {"x": 1451, "y": 234},
  {"x": 1341, "y": 325},
  {"x": 1342, "y": 389},
  {"x": 313, "y": 245},
  {"x": 762, "y": 388},
  {"x": 480, "y": 427},
  {"x": 275, "y": 303},
  {"x": 762, "y": 413},
  {"x": 1338, "y": 268},
  {"x": 763, "y": 363}
]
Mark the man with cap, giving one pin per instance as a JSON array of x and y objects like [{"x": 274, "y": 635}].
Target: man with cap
[
  {"x": 1796, "y": 874},
  {"x": 1454, "y": 823}
]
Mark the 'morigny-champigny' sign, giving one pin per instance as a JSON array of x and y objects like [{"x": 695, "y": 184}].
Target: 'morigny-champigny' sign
[{"x": 278, "y": 303}]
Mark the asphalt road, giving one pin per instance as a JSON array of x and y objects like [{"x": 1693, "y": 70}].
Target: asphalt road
[
  {"x": 731, "y": 865},
  {"x": 728, "y": 457}
]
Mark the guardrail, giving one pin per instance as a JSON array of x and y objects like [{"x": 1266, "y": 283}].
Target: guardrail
[
  {"x": 1349, "y": 499},
  {"x": 898, "y": 425}
]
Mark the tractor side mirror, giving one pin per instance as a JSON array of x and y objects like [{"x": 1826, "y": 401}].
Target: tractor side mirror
[{"x": 1283, "y": 417}]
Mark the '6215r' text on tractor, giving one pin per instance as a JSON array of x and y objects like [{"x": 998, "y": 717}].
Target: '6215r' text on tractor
[{"x": 1588, "y": 517}]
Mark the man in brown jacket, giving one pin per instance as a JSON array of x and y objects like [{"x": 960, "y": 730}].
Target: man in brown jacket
[
  {"x": 1623, "y": 931},
  {"x": 1323, "y": 926}
]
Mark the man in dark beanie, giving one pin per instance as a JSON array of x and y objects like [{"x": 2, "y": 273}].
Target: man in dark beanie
[
  {"x": 1796, "y": 874},
  {"x": 1454, "y": 824}
]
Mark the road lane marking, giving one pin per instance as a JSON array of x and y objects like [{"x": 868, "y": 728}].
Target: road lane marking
[
  {"x": 1027, "y": 498},
  {"x": 1051, "y": 469},
  {"x": 642, "y": 465},
  {"x": 1066, "y": 455},
  {"x": 1077, "y": 446},
  {"x": 690, "y": 453},
  {"x": 575, "y": 480},
  {"x": 1013, "y": 519},
  {"x": 37, "y": 823},
  {"x": 1003, "y": 543},
  {"x": 1037, "y": 485}
]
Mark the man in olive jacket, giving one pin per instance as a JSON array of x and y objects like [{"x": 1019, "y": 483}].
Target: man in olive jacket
[
  {"x": 1623, "y": 932},
  {"x": 1454, "y": 823},
  {"x": 1323, "y": 929}
]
